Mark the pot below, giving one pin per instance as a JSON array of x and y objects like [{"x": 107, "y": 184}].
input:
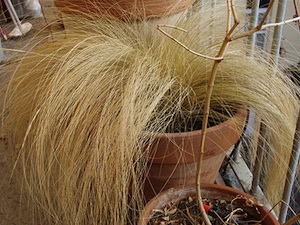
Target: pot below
[{"x": 210, "y": 191}]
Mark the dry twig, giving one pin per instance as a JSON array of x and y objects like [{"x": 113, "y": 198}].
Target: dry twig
[
  {"x": 296, "y": 12},
  {"x": 292, "y": 220}
]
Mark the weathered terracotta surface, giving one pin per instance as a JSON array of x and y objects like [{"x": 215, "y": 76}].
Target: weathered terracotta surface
[
  {"x": 125, "y": 9},
  {"x": 173, "y": 156},
  {"x": 210, "y": 191}
]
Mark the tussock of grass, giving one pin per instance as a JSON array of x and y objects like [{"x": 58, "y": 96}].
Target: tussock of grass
[{"x": 77, "y": 109}]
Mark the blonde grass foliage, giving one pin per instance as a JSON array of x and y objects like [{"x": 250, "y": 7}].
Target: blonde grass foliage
[{"x": 77, "y": 109}]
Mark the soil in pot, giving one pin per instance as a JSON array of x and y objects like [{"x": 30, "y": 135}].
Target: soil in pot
[
  {"x": 224, "y": 205},
  {"x": 220, "y": 212}
]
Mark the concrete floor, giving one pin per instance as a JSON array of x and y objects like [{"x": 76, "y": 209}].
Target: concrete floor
[{"x": 41, "y": 28}]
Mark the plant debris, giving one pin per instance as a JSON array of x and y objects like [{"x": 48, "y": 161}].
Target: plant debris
[{"x": 220, "y": 212}]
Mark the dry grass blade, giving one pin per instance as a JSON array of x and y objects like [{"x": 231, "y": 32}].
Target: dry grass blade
[{"x": 79, "y": 110}]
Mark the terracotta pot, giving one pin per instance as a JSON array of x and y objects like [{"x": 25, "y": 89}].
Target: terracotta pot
[
  {"x": 209, "y": 191},
  {"x": 173, "y": 156},
  {"x": 125, "y": 9}
]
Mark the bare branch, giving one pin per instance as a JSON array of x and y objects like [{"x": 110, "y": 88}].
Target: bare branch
[
  {"x": 228, "y": 16},
  {"x": 258, "y": 27},
  {"x": 292, "y": 220},
  {"x": 297, "y": 12},
  {"x": 207, "y": 100},
  {"x": 232, "y": 10},
  {"x": 264, "y": 18},
  {"x": 281, "y": 23},
  {"x": 173, "y": 27},
  {"x": 183, "y": 45}
]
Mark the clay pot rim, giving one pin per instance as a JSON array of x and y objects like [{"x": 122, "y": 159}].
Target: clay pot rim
[
  {"x": 240, "y": 115},
  {"x": 155, "y": 203},
  {"x": 123, "y": 9}
]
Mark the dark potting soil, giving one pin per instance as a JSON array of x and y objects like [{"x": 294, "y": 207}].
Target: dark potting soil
[
  {"x": 190, "y": 124},
  {"x": 186, "y": 212},
  {"x": 192, "y": 121}
]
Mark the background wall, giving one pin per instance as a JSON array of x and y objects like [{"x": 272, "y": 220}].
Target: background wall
[{"x": 291, "y": 35}]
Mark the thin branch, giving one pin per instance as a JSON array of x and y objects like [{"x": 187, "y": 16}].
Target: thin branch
[
  {"x": 207, "y": 101},
  {"x": 159, "y": 26},
  {"x": 266, "y": 26},
  {"x": 228, "y": 16},
  {"x": 173, "y": 27},
  {"x": 266, "y": 215},
  {"x": 234, "y": 14},
  {"x": 202, "y": 137},
  {"x": 292, "y": 220},
  {"x": 297, "y": 12},
  {"x": 281, "y": 23},
  {"x": 235, "y": 18},
  {"x": 264, "y": 18},
  {"x": 258, "y": 27}
]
